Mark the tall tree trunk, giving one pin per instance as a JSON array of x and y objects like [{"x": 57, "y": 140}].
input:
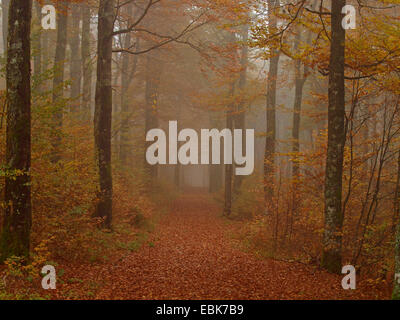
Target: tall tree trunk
[
  {"x": 116, "y": 108},
  {"x": 45, "y": 55},
  {"x": 75, "y": 59},
  {"x": 216, "y": 171},
  {"x": 229, "y": 167},
  {"x": 128, "y": 73},
  {"x": 5, "y": 4},
  {"x": 125, "y": 148},
  {"x": 37, "y": 59},
  {"x": 15, "y": 237},
  {"x": 300, "y": 79},
  {"x": 271, "y": 114},
  {"x": 86, "y": 62},
  {"x": 153, "y": 76},
  {"x": 59, "y": 62},
  {"x": 396, "y": 285},
  {"x": 297, "y": 118},
  {"x": 332, "y": 251},
  {"x": 103, "y": 110},
  {"x": 240, "y": 117}
]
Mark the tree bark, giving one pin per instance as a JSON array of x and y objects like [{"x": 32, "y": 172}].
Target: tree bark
[
  {"x": 153, "y": 76},
  {"x": 15, "y": 237},
  {"x": 229, "y": 167},
  {"x": 271, "y": 114},
  {"x": 396, "y": 284},
  {"x": 86, "y": 62},
  {"x": 332, "y": 250},
  {"x": 37, "y": 59},
  {"x": 298, "y": 98},
  {"x": 216, "y": 171},
  {"x": 5, "y": 4},
  {"x": 240, "y": 117},
  {"x": 75, "y": 59},
  {"x": 125, "y": 148},
  {"x": 103, "y": 110},
  {"x": 59, "y": 62},
  {"x": 116, "y": 108}
]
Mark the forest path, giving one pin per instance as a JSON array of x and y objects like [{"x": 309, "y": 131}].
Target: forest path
[{"x": 194, "y": 257}]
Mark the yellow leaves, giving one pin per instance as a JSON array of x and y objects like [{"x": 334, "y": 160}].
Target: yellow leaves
[{"x": 17, "y": 266}]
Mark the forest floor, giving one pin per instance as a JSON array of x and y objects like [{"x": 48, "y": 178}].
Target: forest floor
[{"x": 192, "y": 254}]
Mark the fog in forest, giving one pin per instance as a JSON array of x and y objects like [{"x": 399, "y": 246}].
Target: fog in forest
[{"x": 90, "y": 89}]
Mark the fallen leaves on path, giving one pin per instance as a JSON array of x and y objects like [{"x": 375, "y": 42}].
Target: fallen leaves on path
[{"x": 194, "y": 258}]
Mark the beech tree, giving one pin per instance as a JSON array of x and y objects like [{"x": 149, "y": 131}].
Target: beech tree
[
  {"x": 229, "y": 167},
  {"x": 230, "y": 123},
  {"x": 271, "y": 108},
  {"x": 103, "y": 110},
  {"x": 37, "y": 44},
  {"x": 75, "y": 58},
  {"x": 15, "y": 236},
  {"x": 240, "y": 117},
  {"x": 58, "y": 80},
  {"x": 127, "y": 73},
  {"x": 86, "y": 62},
  {"x": 396, "y": 284},
  {"x": 4, "y": 11},
  {"x": 153, "y": 75},
  {"x": 332, "y": 242},
  {"x": 103, "y": 99},
  {"x": 300, "y": 79},
  {"x": 301, "y": 72}
]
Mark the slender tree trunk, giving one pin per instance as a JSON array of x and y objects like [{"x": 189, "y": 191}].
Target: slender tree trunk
[
  {"x": 15, "y": 237},
  {"x": 240, "y": 118},
  {"x": 229, "y": 167},
  {"x": 125, "y": 148},
  {"x": 216, "y": 170},
  {"x": 5, "y": 4},
  {"x": 37, "y": 59},
  {"x": 59, "y": 62},
  {"x": 103, "y": 110},
  {"x": 298, "y": 98},
  {"x": 153, "y": 74},
  {"x": 332, "y": 251},
  {"x": 396, "y": 285},
  {"x": 300, "y": 79},
  {"x": 75, "y": 59},
  {"x": 86, "y": 62},
  {"x": 116, "y": 108},
  {"x": 45, "y": 55},
  {"x": 271, "y": 115},
  {"x": 128, "y": 73}
]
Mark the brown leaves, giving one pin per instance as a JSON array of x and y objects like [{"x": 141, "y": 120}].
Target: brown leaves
[
  {"x": 194, "y": 258},
  {"x": 192, "y": 255}
]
